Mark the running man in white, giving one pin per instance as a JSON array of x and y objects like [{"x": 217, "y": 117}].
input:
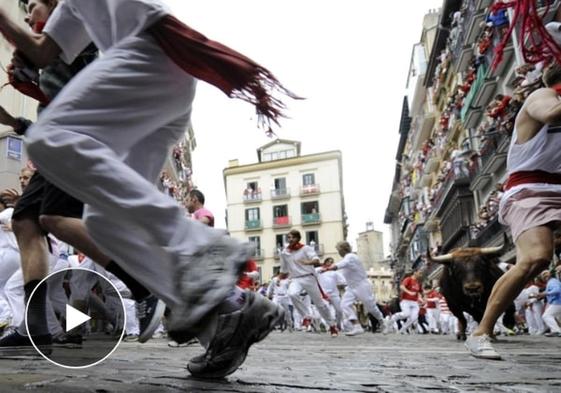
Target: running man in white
[
  {"x": 278, "y": 293},
  {"x": 331, "y": 281},
  {"x": 115, "y": 123},
  {"x": 297, "y": 262},
  {"x": 359, "y": 288}
]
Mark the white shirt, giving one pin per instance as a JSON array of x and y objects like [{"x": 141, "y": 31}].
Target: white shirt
[
  {"x": 75, "y": 23},
  {"x": 351, "y": 268},
  {"x": 278, "y": 288},
  {"x": 330, "y": 280},
  {"x": 290, "y": 261},
  {"x": 7, "y": 237}
]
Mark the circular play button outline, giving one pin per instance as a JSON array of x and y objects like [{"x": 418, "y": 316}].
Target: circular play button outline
[{"x": 114, "y": 346}]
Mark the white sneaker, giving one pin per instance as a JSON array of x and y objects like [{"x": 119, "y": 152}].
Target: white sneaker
[
  {"x": 480, "y": 347},
  {"x": 355, "y": 331},
  {"x": 388, "y": 326}
]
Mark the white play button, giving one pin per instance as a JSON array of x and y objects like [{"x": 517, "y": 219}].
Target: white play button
[{"x": 74, "y": 318}]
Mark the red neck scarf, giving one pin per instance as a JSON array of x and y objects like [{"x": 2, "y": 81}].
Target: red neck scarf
[
  {"x": 235, "y": 74},
  {"x": 557, "y": 88},
  {"x": 295, "y": 247}
]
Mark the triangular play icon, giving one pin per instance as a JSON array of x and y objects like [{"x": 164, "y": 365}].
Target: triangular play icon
[{"x": 74, "y": 318}]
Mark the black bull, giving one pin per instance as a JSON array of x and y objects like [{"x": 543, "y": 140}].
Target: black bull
[{"x": 466, "y": 282}]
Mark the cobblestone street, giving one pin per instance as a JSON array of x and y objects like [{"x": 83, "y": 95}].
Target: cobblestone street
[{"x": 305, "y": 362}]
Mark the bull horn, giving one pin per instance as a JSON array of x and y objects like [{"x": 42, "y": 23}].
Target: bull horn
[
  {"x": 439, "y": 259},
  {"x": 498, "y": 249}
]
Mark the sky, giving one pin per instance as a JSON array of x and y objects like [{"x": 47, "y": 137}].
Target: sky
[{"x": 349, "y": 59}]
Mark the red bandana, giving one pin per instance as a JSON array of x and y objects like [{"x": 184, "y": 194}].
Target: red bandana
[
  {"x": 295, "y": 247},
  {"x": 557, "y": 88},
  {"x": 235, "y": 74}
]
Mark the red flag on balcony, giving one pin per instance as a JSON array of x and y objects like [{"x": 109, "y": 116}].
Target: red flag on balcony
[{"x": 535, "y": 41}]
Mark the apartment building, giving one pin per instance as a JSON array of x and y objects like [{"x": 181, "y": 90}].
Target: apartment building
[{"x": 286, "y": 190}]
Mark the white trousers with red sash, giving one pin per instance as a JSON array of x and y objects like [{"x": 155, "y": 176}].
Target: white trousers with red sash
[{"x": 105, "y": 139}]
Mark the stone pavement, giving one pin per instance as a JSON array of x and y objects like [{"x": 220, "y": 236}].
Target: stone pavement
[{"x": 308, "y": 362}]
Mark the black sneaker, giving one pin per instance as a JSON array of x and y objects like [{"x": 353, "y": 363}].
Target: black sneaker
[
  {"x": 68, "y": 340},
  {"x": 149, "y": 312},
  {"x": 235, "y": 334},
  {"x": 16, "y": 344}
]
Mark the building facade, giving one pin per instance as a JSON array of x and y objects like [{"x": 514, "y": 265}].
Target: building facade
[
  {"x": 12, "y": 153},
  {"x": 455, "y": 132},
  {"x": 370, "y": 247},
  {"x": 285, "y": 190},
  {"x": 370, "y": 251}
]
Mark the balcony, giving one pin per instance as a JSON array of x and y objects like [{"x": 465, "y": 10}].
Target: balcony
[
  {"x": 456, "y": 222},
  {"x": 487, "y": 234},
  {"x": 281, "y": 222},
  {"x": 252, "y": 197},
  {"x": 451, "y": 183},
  {"x": 258, "y": 254},
  {"x": 493, "y": 157},
  {"x": 309, "y": 189},
  {"x": 311, "y": 219},
  {"x": 253, "y": 225},
  {"x": 276, "y": 253},
  {"x": 280, "y": 193}
]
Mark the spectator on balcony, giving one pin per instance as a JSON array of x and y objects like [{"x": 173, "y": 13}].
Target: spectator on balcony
[
  {"x": 498, "y": 107},
  {"x": 531, "y": 205},
  {"x": 196, "y": 206},
  {"x": 460, "y": 163},
  {"x": 484, "y": 43},
  {"x": 497, "y": 19}
]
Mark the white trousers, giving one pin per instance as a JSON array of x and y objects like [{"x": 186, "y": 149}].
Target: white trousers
[
  {"x": 284, "y": 302},
  {"x": 433, "y": 316},
  {"x": 552, "y": 311},
  {"x": 336, "y": 308},
  {"x": 311, "y": 286},
  {"x": 533, "y": 315},
  {"x": 361, "y": 292},
  {"x": 56, "y": 290},
  {"x": 409, "y": 312},
  {"x": 9, "y": 264},
  {"x": 115, "y": 123}
]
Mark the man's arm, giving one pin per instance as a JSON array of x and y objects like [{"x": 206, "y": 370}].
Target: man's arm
[
  {"x": 41, "y": 50},
  {"x": 205, "y": 220},
  {"x": 544, "y": 106},
  {"x": 18, "y": 124}
]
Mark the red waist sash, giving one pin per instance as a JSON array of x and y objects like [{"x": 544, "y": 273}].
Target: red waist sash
[{"x": 528, "y": 177}]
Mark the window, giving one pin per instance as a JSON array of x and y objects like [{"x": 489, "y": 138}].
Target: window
[
  {"x": 280, "y": 183},
  {"x": 256, "y": 240},
  {"x": 309, "y": 179},
  {"x": 310, "y": 207},
  {"x": 280, "y": 211},
  {"x": 276, "y": 270},
  {"x": 252, "y": 214},
  {"x": 312, "y": 236},
  {"x": 281, "y": 240},
  {"x": 252, "y": 186}
]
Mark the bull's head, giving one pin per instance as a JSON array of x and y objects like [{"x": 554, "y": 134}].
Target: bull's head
[{"x": 470, "y": 266}]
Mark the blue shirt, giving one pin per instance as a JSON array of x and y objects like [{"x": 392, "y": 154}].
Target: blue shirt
[{"x": 553, "y": 291}]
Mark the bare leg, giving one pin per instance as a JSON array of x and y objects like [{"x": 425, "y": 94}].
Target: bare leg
[
  {"x": 33, "y": 249},
  {"x": 73, "y": 231},
  {"x": 534, "y": 250}
]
